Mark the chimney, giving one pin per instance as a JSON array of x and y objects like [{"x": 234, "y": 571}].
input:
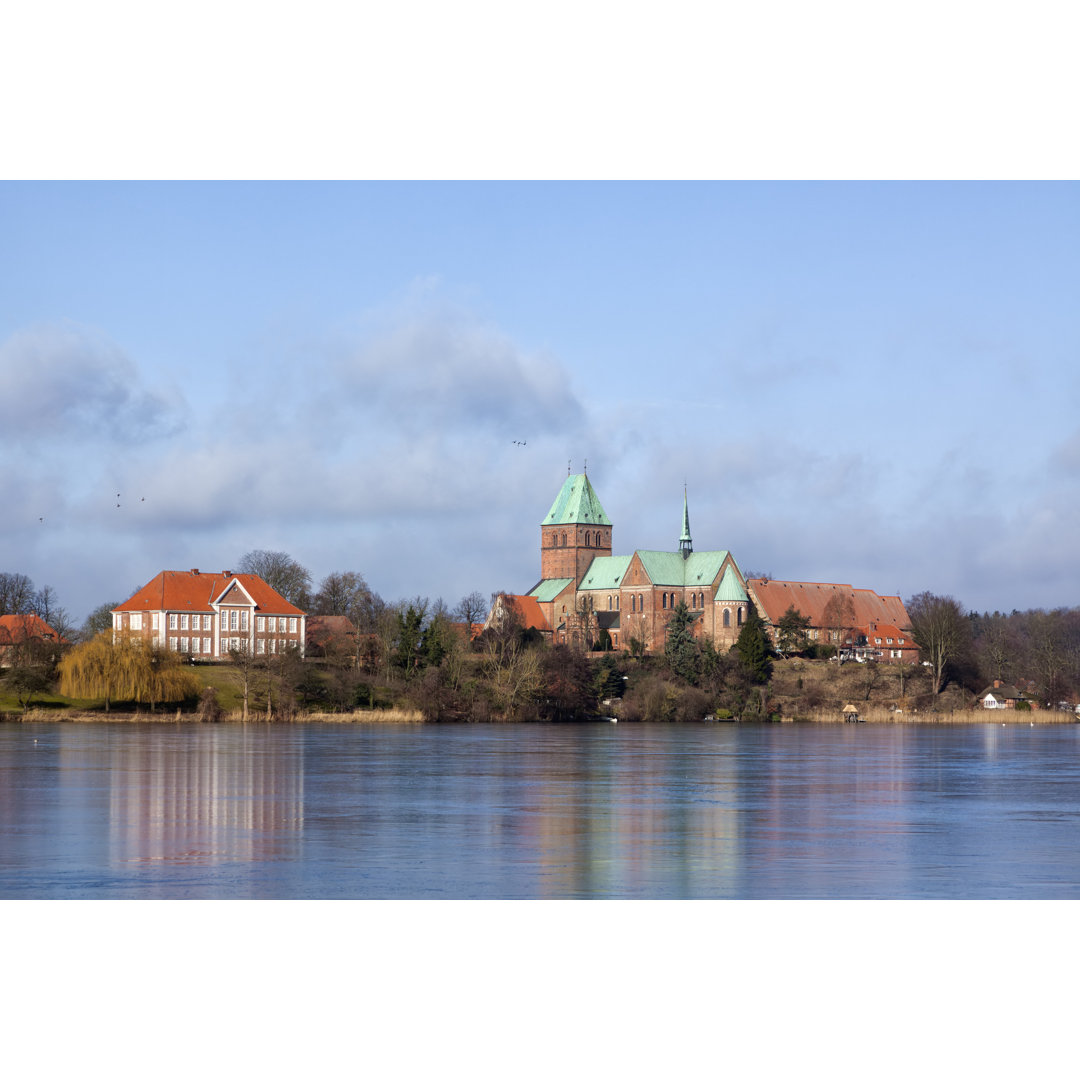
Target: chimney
[{"x": 195, "y": 571}]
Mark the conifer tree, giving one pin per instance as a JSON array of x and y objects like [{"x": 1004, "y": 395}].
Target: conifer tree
[
  {"x": 753, "y": 647},
  {"x": 680, "y": 650}
]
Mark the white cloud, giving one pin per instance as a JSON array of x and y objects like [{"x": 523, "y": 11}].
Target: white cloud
[{"x": 66, "y": 380}]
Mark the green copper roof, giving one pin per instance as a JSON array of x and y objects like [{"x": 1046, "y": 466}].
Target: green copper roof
[
  {"x": 730, "y": 589},
  {"x": 670, "y": 568},
  {"x": 549, "y": 588},
  {"x": 605, "y": 572},
  {"x": 576, "y": 504}
]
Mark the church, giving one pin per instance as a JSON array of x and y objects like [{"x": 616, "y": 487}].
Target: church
[{"x": 585, "y": 590}]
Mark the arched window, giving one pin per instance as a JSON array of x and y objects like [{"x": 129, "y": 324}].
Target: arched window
[
  {"x": 564, "y": 539},
  {"x": 609, "y": 603},
  {"x": 664, "y": 601},
  {"x": 616, "y": 603},
  {"x": 701, "y": 600},
  {"x": 640, "y": 602},
  {"x": 740, "y": 616},
  {"x": 693, "y": 600},
  {"x": 588, "y": 539},
  {"x": 633, "y": 602},
  {"x": 727, "y": 616}
]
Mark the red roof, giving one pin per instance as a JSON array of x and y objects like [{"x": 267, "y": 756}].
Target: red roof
[
  {"x": 810, "y": 598},
  {"x": 531, "y": 614},
  {"x": 18, "y": 628},
  {"x": 192, "y": 590},
  {"x": 320, "y": 629}
]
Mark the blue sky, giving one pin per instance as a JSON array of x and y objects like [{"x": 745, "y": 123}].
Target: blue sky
[{"x": 873, "y": 383}]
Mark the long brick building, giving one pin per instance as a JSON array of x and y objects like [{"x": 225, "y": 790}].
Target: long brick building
[{"x": 204, "y": 615}]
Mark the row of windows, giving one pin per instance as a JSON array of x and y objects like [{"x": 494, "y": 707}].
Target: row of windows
[
  {"x": 592, "y": 539},
  {"x": 204, "y": 646},
  {"x": 230, "y": 620}
]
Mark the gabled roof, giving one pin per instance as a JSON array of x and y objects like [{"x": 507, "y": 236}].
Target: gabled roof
[
  {"x": 576, "y": 504},
  {"x": 605, "y": 572},
  {"x": 15, "y": 629},
  {"x": 1003, "y": 693},
  {"x": 809, "y": 598},
  {"x": 531, "y": 614},
  {"x": 900, "y": 638},
  {"x": 730, "y": 588},
  {"x": 193, "y": 590},
  {"x": 669, "y": 567},
  {"x": 549, "y": 588}
]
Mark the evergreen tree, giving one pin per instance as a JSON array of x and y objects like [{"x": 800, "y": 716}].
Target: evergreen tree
[
  {"x": 753, "y": 647},
  {"x": 680, "y": 650},
  {"x": 791, "y": 631}
]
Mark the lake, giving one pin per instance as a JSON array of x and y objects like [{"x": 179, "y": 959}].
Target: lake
[{"x": 605, "y": 811}]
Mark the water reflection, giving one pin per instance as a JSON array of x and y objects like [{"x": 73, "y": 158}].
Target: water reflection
[
  {"x": 203, "y": 795},
  {"x": 539, "y": 811}
]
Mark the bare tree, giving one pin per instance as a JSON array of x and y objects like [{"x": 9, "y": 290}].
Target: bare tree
[
  {"x": 940, "y": 630},
  {"x": 16, "y": 594},
  {"x": 343, "y": 593},
  {"x": 471, "y": 609},
  {"x": 839, "y": 619},
  {"x": 281, "y": 572},
  {"x": 98, "y": 620}
]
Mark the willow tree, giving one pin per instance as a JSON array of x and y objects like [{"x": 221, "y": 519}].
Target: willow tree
[{"x": 125, "y": 668}]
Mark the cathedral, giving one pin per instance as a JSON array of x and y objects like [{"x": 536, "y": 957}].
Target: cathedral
[{"x": 585, "y": 590}]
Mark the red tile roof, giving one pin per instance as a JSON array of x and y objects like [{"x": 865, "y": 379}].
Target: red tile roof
[
  {"x": 531, "y": 614},
  {"x": 192, "y": 590},
  {"x": 321, "y": 629},
  {"x": 809, "y": 599},
  {"x": 19, "y": 628}
]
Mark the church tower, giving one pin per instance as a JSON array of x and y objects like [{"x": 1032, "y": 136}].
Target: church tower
[{"x": 574, "y": 532}]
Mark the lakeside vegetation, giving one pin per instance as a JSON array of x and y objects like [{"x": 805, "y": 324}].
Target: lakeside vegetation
[{"x": 417, "y": 660}]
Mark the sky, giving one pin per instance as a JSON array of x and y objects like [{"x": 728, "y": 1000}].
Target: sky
[{"x": 874, "y": 383}]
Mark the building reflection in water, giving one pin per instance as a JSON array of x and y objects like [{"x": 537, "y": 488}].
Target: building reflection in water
[
  {"x": 204, "y": 795},
  {"x": 631, "y": 813}
]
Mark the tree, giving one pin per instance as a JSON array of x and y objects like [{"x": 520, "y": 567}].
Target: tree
[
  {"x": 680, "y": 650},
  {"x": 568, "y": 689},
  {"x": 839, "y": 620},
  {"x": 941, "y": 632},
  {"x": 126, "y": 669},
  {"x": 753, "y": 647},
  {"x": 16, "y": 594},
  {"x": 513, "y": 669},
  {"x": 342, "y": 593},
  {"x": 282, "y": 573},
  {"x": 471, "y": 609},
  {"x": 586, "y": 619},
  {"x": 410, "y": 634},
  {"x": 792, "y": 632},
  {"x": 98, "y": 621}
]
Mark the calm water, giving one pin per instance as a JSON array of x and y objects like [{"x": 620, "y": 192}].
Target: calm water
[{"x": 539, "y": 811}]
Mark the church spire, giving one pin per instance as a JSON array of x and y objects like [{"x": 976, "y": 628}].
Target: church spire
[{"x": 686, "y": 545}]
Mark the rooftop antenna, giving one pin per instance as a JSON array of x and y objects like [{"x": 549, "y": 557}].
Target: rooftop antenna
[
  {"x": 586, "y": 469},
  {"x": 569, "y": 465}
]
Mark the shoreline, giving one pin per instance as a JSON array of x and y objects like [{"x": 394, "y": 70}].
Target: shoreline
[{"x": 402, "y": 716}]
